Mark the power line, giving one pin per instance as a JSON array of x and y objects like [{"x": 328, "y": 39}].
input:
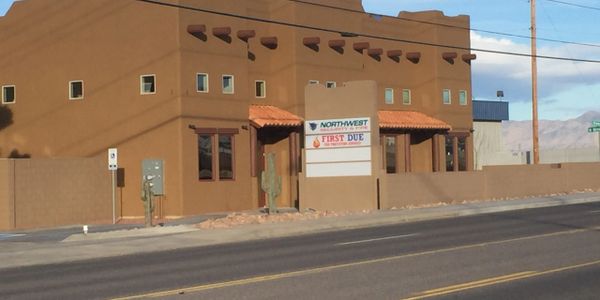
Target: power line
[
  {"x": 574, "y": 4},
  {"x": 358, "y": 34},
  {"x": 449, "y": 26}
]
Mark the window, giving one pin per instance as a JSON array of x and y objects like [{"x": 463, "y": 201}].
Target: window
[
  {"x": 261, "y": 88},
  {"x": 148, "y": 84},
  {"x": 202, "y": 83},
  {"x": 389, "y": 96},
  {"x": 9, "y": 94},
  {"x": 462, "y": 97},
  {"x": 390, "y": 154},
  {"x": 313, "y": 82},
  {"x": 462, "y": 153},
  {"x": 406, "y": 97},
  {"x": 205, "y": 157},
  {"x": 330, "y": 84},
  {"x": 447, "y": 96},
  {"x": 216, "y": 148},
  {"x": 228, "y": 84},
  {"x": 449, "y": 153},
  {"x": 76, "y": 90},
  {"x": 456, "y": 152},
  {"x": 225, "y": 156}
]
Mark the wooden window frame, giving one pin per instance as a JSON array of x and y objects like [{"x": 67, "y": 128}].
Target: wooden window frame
[
  {"x": 142, "y": 92},
  {"x": 385, "y": 93},
  {"x": 214, "y": 134},
  {"x": 71, "y": 90},
  {"x": 198, "y": 81},
  {"x": 14, "y": 100}
]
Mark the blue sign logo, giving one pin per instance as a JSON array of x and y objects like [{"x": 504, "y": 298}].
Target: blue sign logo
[{"x": 313, "y": 126}]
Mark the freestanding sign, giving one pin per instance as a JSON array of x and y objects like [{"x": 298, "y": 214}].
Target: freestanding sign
[
  {"x": 595, "y": 123},
  {"x": 112, "y": 159},
  {"x": 338, "y": 147},
  {"x": 594, "y": 129},
  {"x": 112, "y": 167}
]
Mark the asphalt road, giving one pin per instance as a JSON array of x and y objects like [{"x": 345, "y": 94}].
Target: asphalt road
[{"x": 487, "y": 256}]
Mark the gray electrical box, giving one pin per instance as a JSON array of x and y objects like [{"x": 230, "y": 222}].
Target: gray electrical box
[{"x": 154, "y": 168}]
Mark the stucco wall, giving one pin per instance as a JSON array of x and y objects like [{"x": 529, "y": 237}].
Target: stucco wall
[
  {"x": 493, "y": 182},
  {"x": 54, "y": 192}
]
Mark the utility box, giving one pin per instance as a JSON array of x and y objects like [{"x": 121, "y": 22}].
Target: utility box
[{"x": 154, "y": 168}]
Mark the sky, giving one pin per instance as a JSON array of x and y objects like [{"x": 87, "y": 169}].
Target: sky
[{"x": 566, "y": 89}]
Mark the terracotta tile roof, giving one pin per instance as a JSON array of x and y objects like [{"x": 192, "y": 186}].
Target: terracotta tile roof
[
  {"x": 409, "y": 120},
  {"x": 267, "y": 115}
]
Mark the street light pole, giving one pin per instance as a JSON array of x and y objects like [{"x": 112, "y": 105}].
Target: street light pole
[{"x": 534, "y": 92}]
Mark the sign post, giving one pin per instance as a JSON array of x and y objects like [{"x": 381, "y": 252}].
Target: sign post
[
  {"x": 596, "y": 128},
  {"x": 112, "y": 167}
]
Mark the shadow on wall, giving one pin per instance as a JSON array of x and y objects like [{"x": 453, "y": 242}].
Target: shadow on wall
[{"x": 6, "y": 119}]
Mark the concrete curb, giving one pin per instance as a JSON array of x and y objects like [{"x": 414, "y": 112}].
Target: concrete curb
[{"x": 121, "y": 243}]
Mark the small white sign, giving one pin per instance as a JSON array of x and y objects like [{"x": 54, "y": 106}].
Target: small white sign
[
  {"x": 337, "y": 126},
  {"x": 112, "y": 159},
  {"x": 338, "y": 140}
]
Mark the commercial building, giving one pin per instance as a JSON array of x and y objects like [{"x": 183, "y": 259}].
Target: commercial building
[{"x": 203, "y": 89}]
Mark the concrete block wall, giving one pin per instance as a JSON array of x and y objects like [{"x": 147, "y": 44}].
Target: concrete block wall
[
  {"x": 491, "y": 183},
  {"x": 54, "y": 192}
]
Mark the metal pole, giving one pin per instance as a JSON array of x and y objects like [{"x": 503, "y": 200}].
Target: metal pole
[
  {"x": 114, "y": 193},
  {"x": 534, "y": 92}
]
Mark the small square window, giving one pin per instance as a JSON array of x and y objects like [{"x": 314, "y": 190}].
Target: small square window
[
  {"x": 202, "y": 83},
  {"x": 76, "y": 90},
  {"x": 313, "y": 82},
  {"x": 406, "y": 97},
  {"x": 9, "y": 94},
  {"x": 447, "y": 96},
  {"x": 261, "y": 88},
  {"x": 389, "y": 96},
  {"x": 148, "y": 84},
  {"x": 228, "y": 84},
  {"x": 462, "y": 97},
  {"x": 330, "y": 84}
]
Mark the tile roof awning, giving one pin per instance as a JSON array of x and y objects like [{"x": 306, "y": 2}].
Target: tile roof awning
[
  {"x": 271, "y": 116},
  {"x": 409, "y": 120}
]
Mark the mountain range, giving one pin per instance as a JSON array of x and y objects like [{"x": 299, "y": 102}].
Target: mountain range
[{"x": 568, "y": 134}]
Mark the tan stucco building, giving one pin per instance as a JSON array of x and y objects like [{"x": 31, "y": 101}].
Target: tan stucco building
[{"x": 207, "y": 91}]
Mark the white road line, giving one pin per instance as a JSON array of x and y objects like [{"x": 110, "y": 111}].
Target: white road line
[
  {"x": 594, "y": 212},
  {"x": 378, "y": 239}
]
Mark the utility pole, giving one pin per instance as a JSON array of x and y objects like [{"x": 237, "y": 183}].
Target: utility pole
[{"x": 534, "y": 92}]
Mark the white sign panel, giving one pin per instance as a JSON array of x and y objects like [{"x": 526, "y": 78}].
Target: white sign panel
[
  {"x": 112, "y": 159},
  {"x": 361, "y": 168},
  {"x": 338, "y": 155},
  {"x": 337, "y": 126},
  {"x": 338, "y": 147},
  {"x": 338, "y": 140}
]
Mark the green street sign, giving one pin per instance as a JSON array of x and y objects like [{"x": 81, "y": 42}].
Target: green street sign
[
  {"x": 594, "y": 129},
  {"x": 596, "y": 123}
]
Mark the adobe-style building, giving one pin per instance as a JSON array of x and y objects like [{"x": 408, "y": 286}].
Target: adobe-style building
[{"x": 205, "y": 88}]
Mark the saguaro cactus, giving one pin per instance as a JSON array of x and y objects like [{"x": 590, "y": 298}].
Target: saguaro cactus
[
  {"x": 147, "y": 197},
  {"x": 271, "y": 183}
]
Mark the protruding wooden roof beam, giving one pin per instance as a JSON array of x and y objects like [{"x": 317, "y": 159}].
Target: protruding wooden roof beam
[
  {"x": 361, "y": 46},
  {"x": 469, "y": 57},
  {"x": 245, "y": 35},
  {"x": 269, "y": 42},
  {"x": 414, "y": 57},
  {"x": 197, "y": 30},
  {"x": 312, "y": 42},
  {"x": 449, "y": 57},
  {"x": 394, "y": 55},
  {"x": 337, "y": 45},
  {"x": 221, "y": 31},
  {"x": 375, "y": 53}
]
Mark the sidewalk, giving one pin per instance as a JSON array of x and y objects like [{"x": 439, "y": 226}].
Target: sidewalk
[{"x": 143, "y": 240}]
